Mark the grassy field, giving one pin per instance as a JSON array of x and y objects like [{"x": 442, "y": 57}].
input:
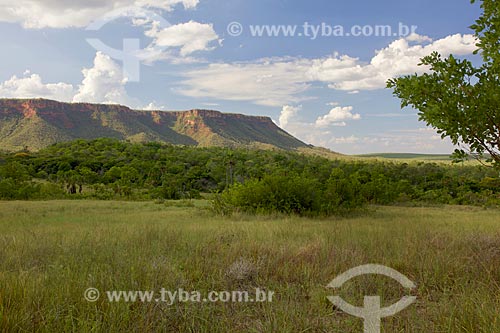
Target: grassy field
[
  {"x": 51, "y": 252},
  {"x": 441, "y": 159}
]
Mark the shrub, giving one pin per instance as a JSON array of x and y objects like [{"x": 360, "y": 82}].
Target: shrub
[
  {"x": 51, "y": 191},
  {"x": 341, "y": 194},
  {"x": 291, "y": 194},
  {"x": 8, "y": 189}
]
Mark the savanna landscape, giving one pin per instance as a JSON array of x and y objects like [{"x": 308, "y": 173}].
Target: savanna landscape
[
  {"x": 137, "y": 219},
  {"x": 55, "y": 250}
]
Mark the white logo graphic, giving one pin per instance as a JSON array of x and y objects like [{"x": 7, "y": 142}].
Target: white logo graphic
[
  {"x": 234, "y": 29},
  {"x": 91, "y": 295},
  {"x": 371, "y": 311},
  {"x": 131, "y": 55}
]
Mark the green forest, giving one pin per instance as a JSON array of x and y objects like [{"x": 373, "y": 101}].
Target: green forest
[{"x": 254, "y": 181}]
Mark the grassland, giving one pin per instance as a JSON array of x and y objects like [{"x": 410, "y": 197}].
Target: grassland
[
  {"x": 51, "y": 252},
  {"x": 440, "y": 159}
]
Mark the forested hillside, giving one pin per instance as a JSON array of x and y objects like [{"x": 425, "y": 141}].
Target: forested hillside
[{"x": 38, "y": 123}]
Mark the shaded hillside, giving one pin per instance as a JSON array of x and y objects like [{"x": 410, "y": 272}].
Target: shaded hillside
[{"x": 37, "y": 123}]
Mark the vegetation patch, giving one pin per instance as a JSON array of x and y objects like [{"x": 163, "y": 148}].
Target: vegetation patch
[{"x": 249, "y": 181}]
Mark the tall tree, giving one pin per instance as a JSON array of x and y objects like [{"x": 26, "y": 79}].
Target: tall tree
[{"x": 458, "y": 99}]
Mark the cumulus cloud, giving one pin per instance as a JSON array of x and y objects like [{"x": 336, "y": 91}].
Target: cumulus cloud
[
  {"x": 414, "y": 37},
  {"x": 287, "y": 114},
  {"x": 102, "y": 83},
  {"x": 281, "y": 81},
  {"x": 189, "y": 37},
  {"x": 399, "y": 58},
  {"x": 417, "y": 140},
  {"x": 337, "y": 117},
  {"x": 32, "y": 86},
  {"x": 316, "y": 132},
  {"x": 153, "y": 107},
  {"x": 38, "y": 14},
  {"x": 323, "y": 133}
]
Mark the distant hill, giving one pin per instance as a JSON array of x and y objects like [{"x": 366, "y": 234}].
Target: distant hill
[
  {"x": 408, "y": 156},
  {"x": 38, "y": 123}
]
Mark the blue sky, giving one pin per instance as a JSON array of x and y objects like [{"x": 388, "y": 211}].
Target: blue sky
[{"x": 328, "y": 90}]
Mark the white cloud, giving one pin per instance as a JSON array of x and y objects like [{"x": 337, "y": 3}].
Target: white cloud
[
  {"x": 153, "y": 107},
  {"x": 291, "y": 121},
  {"x": 414, "y": 37},
  {"x": 317, "y": 133},
  {"x": 189, "y": 37},
  {"x": 211, "y": 104},
  {"x": 167, "y": 4},
  {"x": 288, "y": 113},
  {"x": 344, "y": 140},
  {"x": 104, "y": 83},
  {"x": 419, "y": 140},
  {"x": 168, "y": 41},
  {"x": 31, "y": 86},
  {"x": 416, "y": 140},
  {"x": 397, "y": 59},
  {"x": 281, "y": 81},
  {"x": 337, "y": 117},
  {"x": 38, "y": 14},
  {"x": 267, "y": 82},
  {"x": 412, "y": 141}
]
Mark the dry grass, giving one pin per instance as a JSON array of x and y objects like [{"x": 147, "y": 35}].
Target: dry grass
[{"x": 51, "y": 252}]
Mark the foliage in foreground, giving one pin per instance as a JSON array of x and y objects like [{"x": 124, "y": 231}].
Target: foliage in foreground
[{"x": 458, "y": 99}]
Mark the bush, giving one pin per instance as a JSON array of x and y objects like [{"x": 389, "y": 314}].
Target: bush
[
  {"x": 342, "y": 194},
  {"x": 290, "y": 194},
  {"x": 102, "y": 192},
  {"x": 51, "y": 191},
  {"x": 8, "y": 189},
  {"x": 12, "y": 190},
  {"x": 436, "y": 196}
]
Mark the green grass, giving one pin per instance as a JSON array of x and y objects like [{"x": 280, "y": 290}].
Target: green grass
[{"x": 51, "y": 252}]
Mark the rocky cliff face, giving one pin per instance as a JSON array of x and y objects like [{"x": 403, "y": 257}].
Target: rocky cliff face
[{"x": 37, "y": 123}]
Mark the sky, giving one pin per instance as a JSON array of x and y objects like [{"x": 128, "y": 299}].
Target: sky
[{"x": 317, "y": 68}]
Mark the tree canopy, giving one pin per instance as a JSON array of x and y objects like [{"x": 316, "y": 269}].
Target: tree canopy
[
  {"x": 458, "y": 99},
  {"x": 248, "y": 180}
]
